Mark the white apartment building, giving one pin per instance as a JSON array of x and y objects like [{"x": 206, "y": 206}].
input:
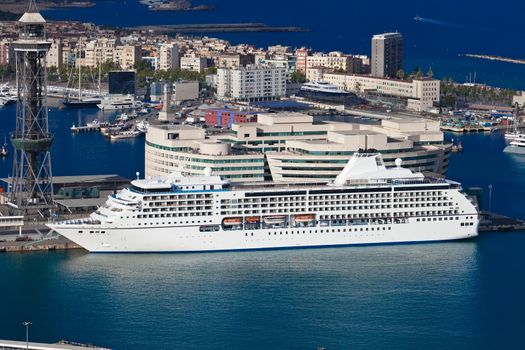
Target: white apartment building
[
  {"x": 335, "y": 60},
  {"x": 253, "y": 82},
  {"x": 193, "y": 63},
  {"x": 421, "y": 94},
  {"x": 169, "y": 57},
  {"x": 127, "y": 55},
  {"x": 54, "y": 57},
  {"x": 99, "y": 50}
]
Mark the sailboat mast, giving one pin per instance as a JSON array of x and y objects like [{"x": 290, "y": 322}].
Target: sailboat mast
[
  {"x": 99, "y": 76},
  {"x": 80, "y": 72}
]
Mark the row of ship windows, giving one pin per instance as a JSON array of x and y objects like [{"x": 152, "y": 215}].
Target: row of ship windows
[
  {"x": 178, "y": 197},
  {"x": 328, "y": 205},
  {"x": 325, "y": 231},
  {"x": 425, "y": 195},
  {"x": 170, "y": 215},
  {"x": 178, "y": 203}
]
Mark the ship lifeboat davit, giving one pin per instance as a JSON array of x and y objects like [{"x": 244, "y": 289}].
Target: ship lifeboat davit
[
  {"x": 232, "y": 221},
  {"x": 253, "y": 219},
  {"x": 304, "y": 218},
  {"x": 276, "y": 219}
]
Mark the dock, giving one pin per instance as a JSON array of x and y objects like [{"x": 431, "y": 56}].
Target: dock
[
  {"x": 85, "y": 128},
  {"x": 492, "y": 222},
  {"x": 61, "y": 345}
]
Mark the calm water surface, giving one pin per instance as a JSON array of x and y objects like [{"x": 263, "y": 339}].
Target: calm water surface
[
  {"x": 450, "y": 28},
  {"x": 461, "y": 295}
]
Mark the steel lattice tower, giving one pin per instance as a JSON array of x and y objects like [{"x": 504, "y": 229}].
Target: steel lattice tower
[{"x": 32, "y": 186}]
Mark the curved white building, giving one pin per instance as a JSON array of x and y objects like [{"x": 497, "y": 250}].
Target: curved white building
[{"x": 292, "y": 147}]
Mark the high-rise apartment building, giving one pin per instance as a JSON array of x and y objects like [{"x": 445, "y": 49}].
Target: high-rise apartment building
[
  {"x": 169, "y": 57},
  {"x": 387, "y": 55},
  {"x": 253, "y": 82}
]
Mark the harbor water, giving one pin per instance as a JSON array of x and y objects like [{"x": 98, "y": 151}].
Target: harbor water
[
  {"x": 445, "y": 29},
  {"x": 457, "y": 295}
]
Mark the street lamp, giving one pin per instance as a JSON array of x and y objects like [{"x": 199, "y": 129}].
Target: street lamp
[{"x": 27, "y": 324}]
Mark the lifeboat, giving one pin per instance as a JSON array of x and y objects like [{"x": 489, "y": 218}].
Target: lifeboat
[
  {"x": 232, "y": 221},
  {"x": 253, "y": 219},
  {"x": 304, "y": 218},
  {"x": 277, "y": 219}
]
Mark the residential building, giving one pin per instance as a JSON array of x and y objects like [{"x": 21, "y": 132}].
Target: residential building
[
  {"x": 6, "y": 52},
  {"x": 127, "y": 56},
  {"x": 301, "y": 57},
  {"x": 336, "y": 61},
  {"x": 54, "y": 57},
  {"x": 169, "y": 57},
  {"x": 95, "y": 51},
  {"x": 253, "y": 82},
  {"x": 387, "y": 55},
  {"x": 193, "y": 63}
]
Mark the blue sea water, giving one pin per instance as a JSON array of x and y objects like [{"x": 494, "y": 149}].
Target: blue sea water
[
  {"x": 80, "y": 154},
  {"x": 448, "y": 28},
  {"x": 458, "y": 295}
]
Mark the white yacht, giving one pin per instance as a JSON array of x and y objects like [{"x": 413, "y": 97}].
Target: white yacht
[
  {"x": 119, "y": 103},
  {"x": 366, "y": 204},
  {"x": 516, "y": 145},
  {"x": 322, "y": 87}
]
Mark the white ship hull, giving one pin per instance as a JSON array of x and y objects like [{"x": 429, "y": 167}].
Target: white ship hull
[
  {"x": 366, "y": 204},
  {"x": 190, "y": 239}
]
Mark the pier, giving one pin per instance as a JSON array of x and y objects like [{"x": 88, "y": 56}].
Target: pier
[
  {"x": 61, "y": 345},
  {"x": 85, "y": 128}
]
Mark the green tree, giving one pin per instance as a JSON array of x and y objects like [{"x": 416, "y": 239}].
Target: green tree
[
  {"x": 297, "y": 77},
  {"x": 430, "y": 73}
]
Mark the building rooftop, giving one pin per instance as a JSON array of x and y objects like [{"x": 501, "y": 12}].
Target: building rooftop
[{"x": 387, "y": 35}]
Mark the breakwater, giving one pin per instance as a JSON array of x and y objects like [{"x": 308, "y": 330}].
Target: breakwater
[
  {"x": 219, "y": 27},
  {"x": 495, "y": 58}
]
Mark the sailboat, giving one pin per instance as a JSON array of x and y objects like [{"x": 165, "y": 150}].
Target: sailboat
[
  {"x": 515, "y": 133},
  {"x": 79, "y": 101}
]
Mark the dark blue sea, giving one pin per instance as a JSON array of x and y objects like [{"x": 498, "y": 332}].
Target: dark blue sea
[
  {"x": 460, "y": 295},
  {"x": 448, "y": 28}
]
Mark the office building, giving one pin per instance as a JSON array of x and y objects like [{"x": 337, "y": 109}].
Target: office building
[
  {"x": 387, "y": 55},
  {"x": 418, "y": 95},
  {"x": 185, "y": 148},
  {"x": 292, "y": 148},
  {"x": 122, "y": 82}
]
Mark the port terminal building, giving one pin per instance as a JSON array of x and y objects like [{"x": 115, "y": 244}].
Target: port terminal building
[{"x": 292, "y": 147}]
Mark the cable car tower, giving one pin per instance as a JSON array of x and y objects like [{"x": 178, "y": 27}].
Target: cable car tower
[{"x": 32, "y": 186}]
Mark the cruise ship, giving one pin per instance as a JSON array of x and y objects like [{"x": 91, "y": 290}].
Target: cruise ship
[{"x": 366, "y": 204}]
